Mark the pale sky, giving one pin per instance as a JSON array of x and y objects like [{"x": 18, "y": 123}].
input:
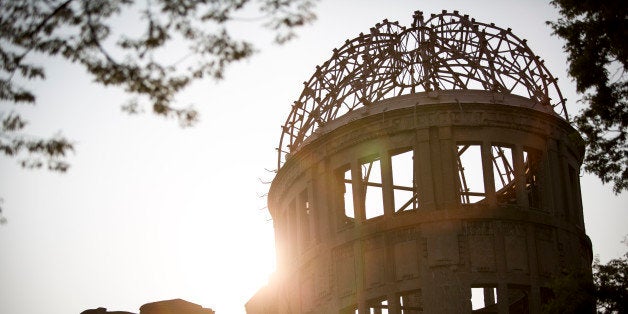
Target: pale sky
[{"x": 149, "y": 211}]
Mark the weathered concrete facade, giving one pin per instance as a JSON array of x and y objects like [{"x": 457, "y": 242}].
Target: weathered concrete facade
[{"x": 421, "y": 202}]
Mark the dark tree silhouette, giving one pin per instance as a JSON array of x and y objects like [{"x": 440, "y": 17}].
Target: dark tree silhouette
[
  {"x": 83, "y": 32},
  {"x": 572, "y": 292},
  {"x": 595, "y": 33},
  {"x": 611, "y": 285}
]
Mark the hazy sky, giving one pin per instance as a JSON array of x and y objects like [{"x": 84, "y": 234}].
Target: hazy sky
[{"x": 150, "y": 211}]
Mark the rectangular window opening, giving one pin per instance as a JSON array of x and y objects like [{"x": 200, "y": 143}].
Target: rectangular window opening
[
  {"x": 532, "y": 167},
  {"x": 411, "y": 302},
  {"x": 347, "y": 195},
  {"x": 404, "y": 188},
  {"x": 378, "y": 306},
  {"x": 518, "y": 300},
  {"x": 353, "y": 309},
  {"x": 470, "y": 173},
  {"x": 372, "y": 188},
  {"x": 484, "y": 299},
  {"x": 504, "y": 174},
  {"x": 305, "y": 217},
  {"x": 573, "y": 192}
]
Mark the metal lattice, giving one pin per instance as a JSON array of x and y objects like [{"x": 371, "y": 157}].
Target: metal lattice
[{"x": 447, "y": 51}]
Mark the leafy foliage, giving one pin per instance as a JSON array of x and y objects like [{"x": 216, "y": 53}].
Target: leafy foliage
[
  {"x": 611, "y": 282},
  {"x": 84, "y": 32},
  {"x": 572, "y": 293},
  {"x": 38, "y": 151},
  {"x": 595, "y": 34}
]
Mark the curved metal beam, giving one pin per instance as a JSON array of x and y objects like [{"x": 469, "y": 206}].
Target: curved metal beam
[{"x": 447, "y": 51}]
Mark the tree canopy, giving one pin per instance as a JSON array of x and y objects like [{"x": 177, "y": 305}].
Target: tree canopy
[
  {"x": 84, "y": 32},
  {"x": 595, "y": 33},
  {"x": 571, "y": 292},
  {"x": 611, "y": 285}
]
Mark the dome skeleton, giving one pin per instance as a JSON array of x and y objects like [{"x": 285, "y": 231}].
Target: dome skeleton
[{"x": 447, "y": 51}]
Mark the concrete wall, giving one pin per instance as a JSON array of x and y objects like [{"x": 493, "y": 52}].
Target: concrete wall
[{"x": 493, "y": 208}]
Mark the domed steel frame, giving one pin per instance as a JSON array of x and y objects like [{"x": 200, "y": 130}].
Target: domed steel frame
[{"x": 446, "y": 51}]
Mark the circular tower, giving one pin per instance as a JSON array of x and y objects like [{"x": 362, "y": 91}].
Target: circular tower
[{"x": 426, "y": 169}]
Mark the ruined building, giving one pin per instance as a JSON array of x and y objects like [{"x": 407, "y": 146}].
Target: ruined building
[{"x": 426, "y": 169}]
